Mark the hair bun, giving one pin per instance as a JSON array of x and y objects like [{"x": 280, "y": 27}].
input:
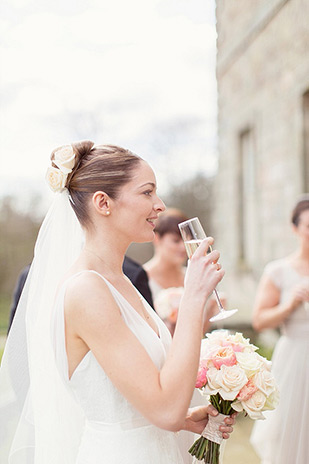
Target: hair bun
[{"x": 82, "y": 149}]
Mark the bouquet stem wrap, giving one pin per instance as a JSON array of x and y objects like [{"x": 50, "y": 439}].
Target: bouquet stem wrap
[
  {"x": 211, "y": 431},
  {"x": 207, "y": 447}
]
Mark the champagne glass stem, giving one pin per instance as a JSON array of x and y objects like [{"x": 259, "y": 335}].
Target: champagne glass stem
[
  {"x": 218, "y": 300},
  {"x": 215, "y": 290}
]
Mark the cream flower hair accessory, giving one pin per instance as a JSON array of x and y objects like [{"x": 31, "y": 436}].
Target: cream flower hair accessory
[{"x": 64, "y": 159}]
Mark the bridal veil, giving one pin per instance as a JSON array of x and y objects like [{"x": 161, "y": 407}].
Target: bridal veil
[{"x": 39, "y": 420}]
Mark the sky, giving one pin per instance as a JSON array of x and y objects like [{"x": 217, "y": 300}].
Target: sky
[{"x": 138, "y": 74}]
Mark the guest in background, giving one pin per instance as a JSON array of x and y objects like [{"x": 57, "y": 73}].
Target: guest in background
[
  {"x": 282, "y": 300},
  {"x": 166, "y": 269}
]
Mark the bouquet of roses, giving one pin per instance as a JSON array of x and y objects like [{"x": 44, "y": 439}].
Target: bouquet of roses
[{"x": 235, "y": 378}]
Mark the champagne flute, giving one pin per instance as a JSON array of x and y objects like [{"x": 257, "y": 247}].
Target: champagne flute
[{"x": 192, "y": 234}]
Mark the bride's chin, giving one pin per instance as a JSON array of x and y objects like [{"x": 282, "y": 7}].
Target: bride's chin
[{"x": 145, "y": 238}]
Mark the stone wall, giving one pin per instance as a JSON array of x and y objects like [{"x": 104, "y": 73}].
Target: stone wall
[{"x": 263, "y": 74}]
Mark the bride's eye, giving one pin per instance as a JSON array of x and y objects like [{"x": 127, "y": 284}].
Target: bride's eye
[{"x": 148, "y": 192}]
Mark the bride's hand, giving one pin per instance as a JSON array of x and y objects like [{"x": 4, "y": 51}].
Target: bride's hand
[
  {"x": 203, "y": 272},
  {"x": 197, "y": 419}
]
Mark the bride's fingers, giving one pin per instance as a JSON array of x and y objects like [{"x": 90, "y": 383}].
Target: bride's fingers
[
  {"x": 231, "y": 419},
  {"x": 204, "y": 246},
  {"x": 226, "y": 429}
]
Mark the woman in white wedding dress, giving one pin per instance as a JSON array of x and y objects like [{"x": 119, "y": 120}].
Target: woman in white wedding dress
[
  {"x": 90, "y": 374},
  {"x": 283, "y": 301}
]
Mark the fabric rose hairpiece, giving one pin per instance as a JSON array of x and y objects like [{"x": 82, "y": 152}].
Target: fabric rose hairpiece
[{"x": 64, "y": 159}]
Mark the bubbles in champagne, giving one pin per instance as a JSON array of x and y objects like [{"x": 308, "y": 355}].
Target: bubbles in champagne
[{"x": 191, "y": 246}]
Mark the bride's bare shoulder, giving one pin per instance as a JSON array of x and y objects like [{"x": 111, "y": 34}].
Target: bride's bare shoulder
[{"x": 86, "y": 291}]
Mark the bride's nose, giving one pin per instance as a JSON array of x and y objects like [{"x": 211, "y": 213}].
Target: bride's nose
[{"x": 159, "y": 206}]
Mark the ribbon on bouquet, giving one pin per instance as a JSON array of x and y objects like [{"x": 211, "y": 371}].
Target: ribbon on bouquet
[{"x": 211, "y": 431}]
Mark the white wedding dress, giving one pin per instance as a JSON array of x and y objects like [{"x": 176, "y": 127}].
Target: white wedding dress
[
  {"x": 185, "y": 439},
  {"x": 283, "y": 438},
  {"x": 114, "y": 432}
]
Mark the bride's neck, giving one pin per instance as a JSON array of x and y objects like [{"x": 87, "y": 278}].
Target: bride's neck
[{"x": 107, "y": 254}]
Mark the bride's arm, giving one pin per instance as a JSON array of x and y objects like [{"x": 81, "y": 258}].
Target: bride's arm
[{"x": 161, "y": 396}]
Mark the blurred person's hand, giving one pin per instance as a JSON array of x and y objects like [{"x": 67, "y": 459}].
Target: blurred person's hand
[{"x": 299, "y": 294}]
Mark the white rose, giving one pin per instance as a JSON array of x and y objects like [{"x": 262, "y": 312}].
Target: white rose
[
  {"x": 217, "y": 337},
  {"x": 255, "y": 405},
  {"x": 65, "y": 159},
  {"x": 55, "y": 179},
  {"x": 266, "y": 364},
  {"x": 239, "y": 339},
  {"x": 272, "y": 401},
  {"x": 265, "y": 382},
  {"x": 250, "y": 362},
  {"x": 207, "y": 348},
  {"x": 212, "y": 386},
  {"x": 231, "y": 379},
  {"x": 237, "y": 406}
]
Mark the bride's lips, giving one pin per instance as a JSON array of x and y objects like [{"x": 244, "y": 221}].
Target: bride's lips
[{"x": 152, "y": 221}]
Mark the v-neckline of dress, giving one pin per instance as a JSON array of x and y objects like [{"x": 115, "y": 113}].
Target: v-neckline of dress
[{"x": 157, "y": 334}]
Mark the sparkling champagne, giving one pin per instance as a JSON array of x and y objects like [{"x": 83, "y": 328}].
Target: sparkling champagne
[
  {"x": 191, "y": 246},
  {"x": 193, "y": 234}
]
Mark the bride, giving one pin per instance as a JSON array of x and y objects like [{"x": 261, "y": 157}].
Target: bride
[{"x": 90, "y": 373}]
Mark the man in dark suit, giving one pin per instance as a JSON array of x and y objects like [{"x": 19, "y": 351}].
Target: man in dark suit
[
  {"x": 131, "y": 268},
  {"x": 138, "y": 277}
]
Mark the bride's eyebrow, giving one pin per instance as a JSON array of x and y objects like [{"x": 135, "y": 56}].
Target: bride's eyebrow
[{"x": 148, "y": 183}]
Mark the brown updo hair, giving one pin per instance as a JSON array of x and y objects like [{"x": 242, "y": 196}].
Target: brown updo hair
[
  {"x": 100, "y": 167},
  {"x": 301, "y": 205},
  {"x": 168, "y": 221}
]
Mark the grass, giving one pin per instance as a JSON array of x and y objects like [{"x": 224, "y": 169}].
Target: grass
[
  {"x": 265, "y": 351},
  {"x": 5, "y": 303},
  {"x": 238, "y": 449}
]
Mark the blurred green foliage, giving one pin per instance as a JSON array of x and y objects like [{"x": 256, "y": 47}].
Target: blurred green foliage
[
  {"x": 5, "y": 302},
  {"x": 18, "y": 231}
]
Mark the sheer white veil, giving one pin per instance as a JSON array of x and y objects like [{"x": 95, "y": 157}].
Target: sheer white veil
[{"x": 40, "y": 423}]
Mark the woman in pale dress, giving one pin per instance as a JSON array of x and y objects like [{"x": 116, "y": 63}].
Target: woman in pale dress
[
  {"x": 104, "y": 382},
  {"x": 283, "y": 301},
  {"x": 166, "y": 269}
]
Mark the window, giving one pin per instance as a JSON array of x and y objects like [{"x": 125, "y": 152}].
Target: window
[
  {"x": 305, "y": 163},
  {"x": 247, "y": 214}
]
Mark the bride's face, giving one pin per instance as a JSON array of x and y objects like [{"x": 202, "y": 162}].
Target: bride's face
[{"x": 136, "y": 209}]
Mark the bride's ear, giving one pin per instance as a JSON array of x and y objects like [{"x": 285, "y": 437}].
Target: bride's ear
[{"x": 101, "y": 203}]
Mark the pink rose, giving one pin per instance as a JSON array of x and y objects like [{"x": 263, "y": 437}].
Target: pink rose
[
  {"x": 224, "y": 356},
  {"x": 236, "y": 347},
  {"x": 201, "y": 377},
  {"x": 247, "y": 391}
]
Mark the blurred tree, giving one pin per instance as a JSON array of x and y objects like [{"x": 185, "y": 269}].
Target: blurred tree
[
  {"x": 194, "y": 198},
  {"x": 18, "y": 233}
]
